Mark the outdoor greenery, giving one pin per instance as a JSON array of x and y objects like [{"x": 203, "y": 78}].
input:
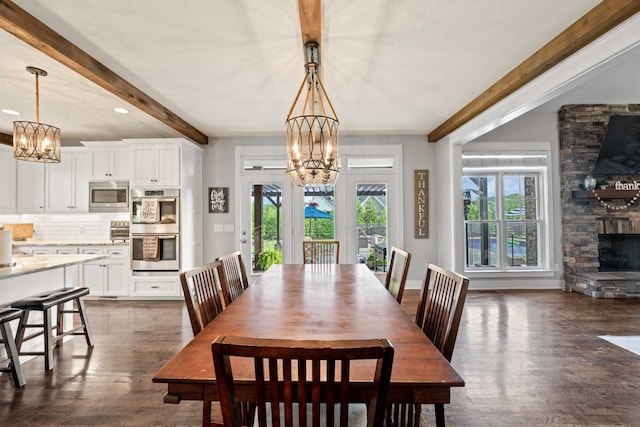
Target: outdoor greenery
[
  {"x": 322, "y": 228},
  {"x": 269, "y": 257},
  {"x": 511, "y": 203}
]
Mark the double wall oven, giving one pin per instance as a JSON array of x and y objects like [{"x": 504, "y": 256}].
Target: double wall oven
[{"x": 155, "y": 230}]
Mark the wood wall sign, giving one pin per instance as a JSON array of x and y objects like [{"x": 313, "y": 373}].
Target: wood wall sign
[
  {"x": 218, "y": 200},
  {"x": 421, "y": 203}
]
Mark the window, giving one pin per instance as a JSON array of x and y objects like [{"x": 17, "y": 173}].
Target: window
[{"x": 504, "y": 214}]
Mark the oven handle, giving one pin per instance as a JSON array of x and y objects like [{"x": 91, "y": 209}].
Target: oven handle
[
  {"x": 139, "y": 199},
  {"x": 160, "y": 236}
]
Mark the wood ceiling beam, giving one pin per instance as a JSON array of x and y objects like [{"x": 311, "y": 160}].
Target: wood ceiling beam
[
  {"x": 310, "y": 20},
  {"x": 599, "y": 20},
  {"x": 27, "y": 28},
  {"x": 6, "y": 139}
]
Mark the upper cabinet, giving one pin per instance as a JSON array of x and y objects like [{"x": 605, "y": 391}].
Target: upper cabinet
[
  {"x": 67, "y": 182},
  {"x": 30, "y": 186},
  {"x": 8, "y": 179},
  {"x": 155, "y": 163},
  {"x": 108, "y": 160}
]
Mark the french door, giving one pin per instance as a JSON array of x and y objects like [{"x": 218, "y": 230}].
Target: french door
[
  {"x": 362, "y": 211},
  {"x": 265, "y": 219}
]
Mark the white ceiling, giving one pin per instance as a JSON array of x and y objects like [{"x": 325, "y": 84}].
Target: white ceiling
[{"x": 232, "y": 67}]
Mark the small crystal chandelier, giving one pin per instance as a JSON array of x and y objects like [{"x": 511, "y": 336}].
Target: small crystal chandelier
[
  {"x": 35, "y": 141},
  {"x": 312, "y": 130}
]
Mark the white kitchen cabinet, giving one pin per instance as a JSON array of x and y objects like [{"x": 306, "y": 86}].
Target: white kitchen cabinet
[
  {"x": 8, "y": 180},
  {"x": 70, "y": 272},
  {"x": 68, "y": 182},
  {"x": 30, "y": 186},
  {"x": 155, "y": 286},
  {"x": 108, "y": 160},
  {"x": 156, "y": 165},
  {"x": 107, "y": 277}
]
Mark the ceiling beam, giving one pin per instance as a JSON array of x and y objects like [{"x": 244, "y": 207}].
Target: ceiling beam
[
  {"x": 604, "y": 17},
  {"x": 6, "y": 139},
  {"x": 27, "y": 28},
  {"x": 310, "y": 20}
]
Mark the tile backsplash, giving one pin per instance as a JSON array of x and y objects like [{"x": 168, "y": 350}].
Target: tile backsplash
[{"x": 68, "y": 227}]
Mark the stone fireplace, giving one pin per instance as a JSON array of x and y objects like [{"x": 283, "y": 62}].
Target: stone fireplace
[{"x": 596, "y": 231}]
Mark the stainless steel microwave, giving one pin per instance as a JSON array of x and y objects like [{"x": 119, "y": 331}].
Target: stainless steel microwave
[{"x": 109, "y": 196}]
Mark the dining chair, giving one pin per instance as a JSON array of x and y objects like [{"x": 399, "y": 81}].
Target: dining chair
[
  {"x": 234, "y": 276},
  {"x": 202, "y": 294},
  {"x": 439, "y": 311},
  {"x": 321, "y": 251},
  {"x": 397, "y": 272},
  {"x": 203, "y": 298},
  {"x": 202, "y": 288},
  {"x": 292, "y": 387}
]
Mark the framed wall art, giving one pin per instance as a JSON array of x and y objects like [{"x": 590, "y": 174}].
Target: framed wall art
[{"x": 218, "y": 200}]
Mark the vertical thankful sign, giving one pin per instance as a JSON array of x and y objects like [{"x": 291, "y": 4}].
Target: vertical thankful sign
[{"x": 421, "y": 203}]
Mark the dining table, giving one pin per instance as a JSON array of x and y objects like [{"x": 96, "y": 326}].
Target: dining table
[{"x": 317, "y": 302}]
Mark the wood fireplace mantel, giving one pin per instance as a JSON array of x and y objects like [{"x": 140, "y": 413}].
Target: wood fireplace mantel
[{"x": 604, "y": 194}]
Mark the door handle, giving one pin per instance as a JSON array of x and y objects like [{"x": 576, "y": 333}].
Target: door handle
[{"x": 243, "y": 241}]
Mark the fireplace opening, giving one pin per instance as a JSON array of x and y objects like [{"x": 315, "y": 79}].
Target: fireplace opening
[{"x": 619, "y": 252}]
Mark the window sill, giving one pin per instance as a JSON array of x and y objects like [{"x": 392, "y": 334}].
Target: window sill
[{"x": 483, "y": 274}]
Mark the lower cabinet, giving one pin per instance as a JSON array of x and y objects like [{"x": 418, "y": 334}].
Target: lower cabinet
[
  {"x": 70, "y": 272},
  {"x": 155, "y": 286},
  {"x": 107, "y": 277}
]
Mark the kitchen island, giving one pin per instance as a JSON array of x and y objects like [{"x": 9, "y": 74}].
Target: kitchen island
[{"x": 33, "y": 274}]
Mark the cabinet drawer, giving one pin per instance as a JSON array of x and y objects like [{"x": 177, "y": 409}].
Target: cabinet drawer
[
  {"x": 122, "y": 252},
  {"x": 92, "y": 251},
  {"x": 151, "y": 287}
]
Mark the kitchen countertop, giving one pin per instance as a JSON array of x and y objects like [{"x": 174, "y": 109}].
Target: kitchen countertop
[
  {"x": 41, "y": 242},
  {"x": 28, "y": 264}
]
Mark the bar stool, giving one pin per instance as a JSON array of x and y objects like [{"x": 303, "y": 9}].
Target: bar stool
[
  {"x": 8, "y": 314},
  {"x": 45, "y": 302}
]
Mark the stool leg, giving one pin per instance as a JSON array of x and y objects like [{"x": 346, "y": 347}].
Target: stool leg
[
  {"x": 48, "y": 340},
  {"x": 21, "y": 328},
  {"x": 12, "y": 352},
  {"x": 60, "y": 323},
  {"x": 85, "y": 323}
]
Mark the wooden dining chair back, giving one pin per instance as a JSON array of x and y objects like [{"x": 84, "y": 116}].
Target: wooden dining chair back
[
  {"x": 397, "y": 273},
  {"x": 321, "y": 251},
  {"x": 202, "y": 290},
  {"x": 440, "y": 307},
  {"x": 234, "y": 276},
  {"x": 202, "y": 294},
  {"x": 439, "y": 311},
  {"x": 296, "y": 378}
]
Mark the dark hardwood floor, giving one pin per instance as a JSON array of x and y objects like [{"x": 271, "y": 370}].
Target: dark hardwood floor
[{"x": 528, "y": 358}]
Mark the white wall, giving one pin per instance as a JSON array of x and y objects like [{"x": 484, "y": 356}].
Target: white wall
[{"x": 218, "y": 171}]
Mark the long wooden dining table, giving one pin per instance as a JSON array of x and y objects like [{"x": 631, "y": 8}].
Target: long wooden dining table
[{"x": 320, "y": 302}]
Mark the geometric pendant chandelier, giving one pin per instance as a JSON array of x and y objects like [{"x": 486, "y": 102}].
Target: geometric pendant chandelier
[
  {"x": 312, "y": 130},
  {"x": 35, "y": 141}
]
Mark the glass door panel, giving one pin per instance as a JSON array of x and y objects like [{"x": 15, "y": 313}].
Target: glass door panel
[
  {"x": 371, "y": 225},
  {"x": 266, "y": 226},
  {"x": 319, "y": 213}
]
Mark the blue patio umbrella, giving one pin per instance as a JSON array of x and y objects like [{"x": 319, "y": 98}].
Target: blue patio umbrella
[{"x": 311, "y": 211}]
